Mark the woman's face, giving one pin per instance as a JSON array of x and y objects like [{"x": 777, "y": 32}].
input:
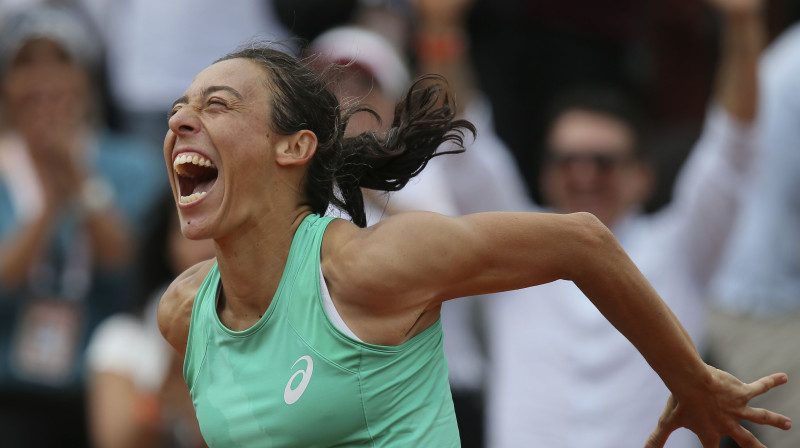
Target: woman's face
[
  {"x": 44, "y": 89},
  {"x": 219, "y": 150},
  {"x": 358, "y": 86}
]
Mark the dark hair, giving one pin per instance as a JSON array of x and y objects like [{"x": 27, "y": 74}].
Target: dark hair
[
  {"x": 153, "y": 261},
  {"x": 606, "y": 100},
  {"x": 302, "y": 99}
]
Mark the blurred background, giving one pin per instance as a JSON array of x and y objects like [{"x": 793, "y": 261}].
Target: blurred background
[{"x": 84, "y": 206}]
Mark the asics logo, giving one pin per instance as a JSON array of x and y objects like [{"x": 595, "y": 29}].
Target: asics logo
[{"x": 290, "y": 395}]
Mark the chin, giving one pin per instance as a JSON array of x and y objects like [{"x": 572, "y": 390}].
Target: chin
[{"x": 195, "y": 231}]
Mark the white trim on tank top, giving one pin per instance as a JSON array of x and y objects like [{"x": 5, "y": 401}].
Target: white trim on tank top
[{"x": 331, "y": 311}]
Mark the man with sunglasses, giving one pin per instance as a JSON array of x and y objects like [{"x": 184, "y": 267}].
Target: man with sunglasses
[
  {"x": 594, "y": 160},
  {"x": 560, "y": 375}
]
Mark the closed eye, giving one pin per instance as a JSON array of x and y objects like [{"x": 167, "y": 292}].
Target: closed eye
[
  {"x": 217, "y": 102},
  {"x": 171, "y": 113}
]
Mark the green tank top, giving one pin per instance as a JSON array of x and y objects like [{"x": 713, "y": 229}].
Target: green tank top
[{"x": 294, "y": 380}]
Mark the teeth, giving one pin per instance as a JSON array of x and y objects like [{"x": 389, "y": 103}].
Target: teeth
[
  {"x": 192, "y": 197},
  {"x": 193, "y": 159}
]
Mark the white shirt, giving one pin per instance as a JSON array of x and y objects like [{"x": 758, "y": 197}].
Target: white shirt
[
  {"x": 761, "y": 270},
  {"x": 131, "y": 346},
  {"x": 560, "y": 374},
  {"x": 155, "y": 48}
]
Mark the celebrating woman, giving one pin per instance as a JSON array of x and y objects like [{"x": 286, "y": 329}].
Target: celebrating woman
[{"x": 307, "y": 330}]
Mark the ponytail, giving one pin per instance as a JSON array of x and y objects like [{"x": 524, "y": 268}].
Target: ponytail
[{"x": 423, "y": 121}]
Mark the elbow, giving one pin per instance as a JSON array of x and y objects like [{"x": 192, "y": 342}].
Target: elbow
[
  {"x": 590, "y": 230},
  {"x": 592, "y": 242}
]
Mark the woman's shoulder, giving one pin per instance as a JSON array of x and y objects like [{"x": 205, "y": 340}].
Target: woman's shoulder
[
  {"x": 339, "y": 231},
  {"x": 175, "y": 306},
  {"x": 362, "y": 258},
  {"x": 346, "y": 241}
]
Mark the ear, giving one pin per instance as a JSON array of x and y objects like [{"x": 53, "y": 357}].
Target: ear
[{"x": 297, "y": 149}]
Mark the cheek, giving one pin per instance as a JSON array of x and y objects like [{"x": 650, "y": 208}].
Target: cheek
[
  {"x": 15, "y": 89},
  {"x": 169, "y": 143},
  {"x": 77, "y": 84},
  {"x": 575, "y": 179},
  {"x": 246, "y": 166},
  {"x": 553, "y": 185},
  {"x": 626, "y": 189}
]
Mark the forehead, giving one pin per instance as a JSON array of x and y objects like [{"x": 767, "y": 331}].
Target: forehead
[
  {"x": 40, "y": 49},
  {"x": 245, "y": 76},
  {"x": 586, "y": 131}
]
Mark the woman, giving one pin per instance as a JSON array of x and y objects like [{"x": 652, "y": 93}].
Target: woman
[
  {"x": 73, "y": 201},
  {"x": 313, "y": 331}
]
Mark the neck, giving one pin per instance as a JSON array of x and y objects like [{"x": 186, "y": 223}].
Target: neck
[{"x": 251, "y": 264}]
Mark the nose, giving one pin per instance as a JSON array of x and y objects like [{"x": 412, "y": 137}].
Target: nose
[{"x": 184, "y": 121}]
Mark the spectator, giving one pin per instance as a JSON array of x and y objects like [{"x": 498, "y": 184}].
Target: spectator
[
  {"x": 526, "y": 51},
  {"x": 72, "y": 201},
  {"x": 137, "y": 397},
  {"x": 756, "y": 291},
  {"x": 559, "y": 373},
  {"x": 371, "y": 71}
]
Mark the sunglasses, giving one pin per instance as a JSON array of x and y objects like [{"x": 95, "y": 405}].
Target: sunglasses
[{"x": 601, "y": 161}]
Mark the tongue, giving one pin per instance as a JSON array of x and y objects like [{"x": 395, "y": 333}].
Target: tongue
[{"x": 204, "y": 186}]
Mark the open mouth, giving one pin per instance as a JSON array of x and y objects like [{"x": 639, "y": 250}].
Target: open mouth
[{"x": 196, "y": 176}]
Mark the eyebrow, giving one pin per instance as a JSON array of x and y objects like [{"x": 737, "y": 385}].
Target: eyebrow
[{"x": 208, "y": 91}]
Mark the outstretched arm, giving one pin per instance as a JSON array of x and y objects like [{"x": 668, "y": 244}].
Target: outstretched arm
[{"x": 408, "y": 264}]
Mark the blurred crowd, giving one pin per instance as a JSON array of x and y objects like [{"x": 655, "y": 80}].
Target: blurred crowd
[{"x": 676, "y": 123}]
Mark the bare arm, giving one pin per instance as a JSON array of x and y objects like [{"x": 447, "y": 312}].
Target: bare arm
[
  {"x": 712, "y": 181},
  {"x": 57, "y": 144},
  {"x": 409, "y": 264},
  {"x": 122, "y": 414},
  {"x": 743, "y": 38},
  {"x": 109, "y": 234},
  {"x": 175, "y": 306},
  {"x": 22, "y": 248},
  {"x": 120, "y": 417},
  {"x": 415, "y": 261}
]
